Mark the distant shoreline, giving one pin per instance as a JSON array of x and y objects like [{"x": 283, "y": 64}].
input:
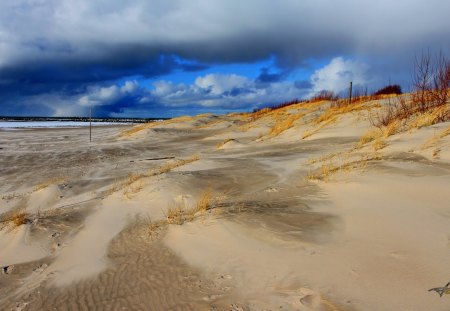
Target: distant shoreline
[{"x": 78, "y": 119}]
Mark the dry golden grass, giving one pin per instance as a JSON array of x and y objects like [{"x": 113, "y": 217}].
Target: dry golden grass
[
  {"x": 14, "y": 219},
  {"x": 333, "y": 111},
  {"x": 171, "y": 165},
  {"x": 435, "y": 138},
  {"x": 208, "y": 124},
  {"x": 326, "y": 157},
  {"x": 377, "y": 133},
  {"x": 260, "y": 113},
  {"x": 328, "y": 170},
  {"x": 221, "y": 144},
  {"x": 322, "y": 125},
  {"x": 436, "y": 152},
  {"x": 138, "y": 128},
  {"x": 128, "y": 183},
  {"x": 180, "y": 211},
  {"x": 204, "y": 203},
  {"x": 282, "y": 116},
  {"x": 176, "y": 214},
  {"x": 369, "y": 136},
  {"x": 379, "y": 144},
  {"x": 283, "y": 123},
  {"x": 428, "y": 118},
  {"x": 392, "y": 128},
  {"x": 133, "y": 189},
  {"x": 49, "y": 182}
]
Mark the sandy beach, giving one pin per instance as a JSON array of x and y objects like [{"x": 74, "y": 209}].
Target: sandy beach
[{"x": 299, "y": 208}]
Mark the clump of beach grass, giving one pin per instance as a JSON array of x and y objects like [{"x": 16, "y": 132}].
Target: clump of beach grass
[
  {"x": 181, "y": 211},
  {"x": 14, "y": 219},
  {"x": 379, "y": 144}
]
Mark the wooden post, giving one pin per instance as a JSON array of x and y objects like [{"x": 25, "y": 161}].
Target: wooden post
[
  {"x": 350, "y": 93},
  {"x": 90, "y": 124}
]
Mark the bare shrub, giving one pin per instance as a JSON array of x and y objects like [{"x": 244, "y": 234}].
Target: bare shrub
[
  {"x": 389, "y": 89},
  {"x": 431, "y": 81},
  {"x": 429, "y": 100},
  {"x": 325, "y": 95}
]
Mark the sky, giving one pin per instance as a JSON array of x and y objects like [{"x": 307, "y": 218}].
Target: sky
[{"x": 155, "y": 58}]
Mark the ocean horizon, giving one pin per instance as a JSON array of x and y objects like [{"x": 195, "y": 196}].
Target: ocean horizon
[{"x": 66, "y": 122}]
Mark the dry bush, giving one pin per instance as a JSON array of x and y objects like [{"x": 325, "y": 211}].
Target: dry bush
[
  {"x": 431, "y": 80},
  {"x": 429, "y": 102},
  {"x": 324, "y": 95},
  {"x": 389, "y": 89}
]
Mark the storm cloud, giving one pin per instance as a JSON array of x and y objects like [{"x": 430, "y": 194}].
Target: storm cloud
[{"x": 54, "y": 52}]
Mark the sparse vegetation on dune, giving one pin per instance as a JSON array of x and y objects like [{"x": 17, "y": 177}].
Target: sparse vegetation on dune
[
  {"x": 129, "y": 183},
  {"x": 221, "y": 144},
  {"x": 49, "y": 182},
  {"x": 283, "y": 124},
  {"x": 141, "y": 127},
  {"x": 428, "y": 103},
  {"x": 180, "y": 211},
  {"x": 334, "y": 166},
  {"x": 14, "y": 219},
  {"x": 433, "y": 140},
  {"x": 136, "y": 129}
]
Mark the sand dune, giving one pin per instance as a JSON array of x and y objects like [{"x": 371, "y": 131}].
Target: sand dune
[{"x": 294, "y": 209}]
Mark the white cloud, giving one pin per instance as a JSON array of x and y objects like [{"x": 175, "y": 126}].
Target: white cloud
[
  {"x": 225, "y": 91},
  {"x": 337, "y": 75},
  {"x": 99, "y": 96},
  {"x": 221, "y": 83}
]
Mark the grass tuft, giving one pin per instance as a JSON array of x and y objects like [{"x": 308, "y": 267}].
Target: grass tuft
[
  {"x": 221, "y": 144},
  {"x": 14, "y": 219}
]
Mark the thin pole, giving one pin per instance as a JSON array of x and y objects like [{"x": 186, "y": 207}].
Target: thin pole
[
  {"x": 90, "y": 124},
  {"x": 350, "y": 92}
]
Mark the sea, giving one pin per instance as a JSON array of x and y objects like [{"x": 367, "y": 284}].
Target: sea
[{"x": 11, "y": 123}]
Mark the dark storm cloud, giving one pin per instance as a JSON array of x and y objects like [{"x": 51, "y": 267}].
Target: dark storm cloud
[
  {"x": 63, "y": 47},
  {"x": 269, "y": 77}
]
